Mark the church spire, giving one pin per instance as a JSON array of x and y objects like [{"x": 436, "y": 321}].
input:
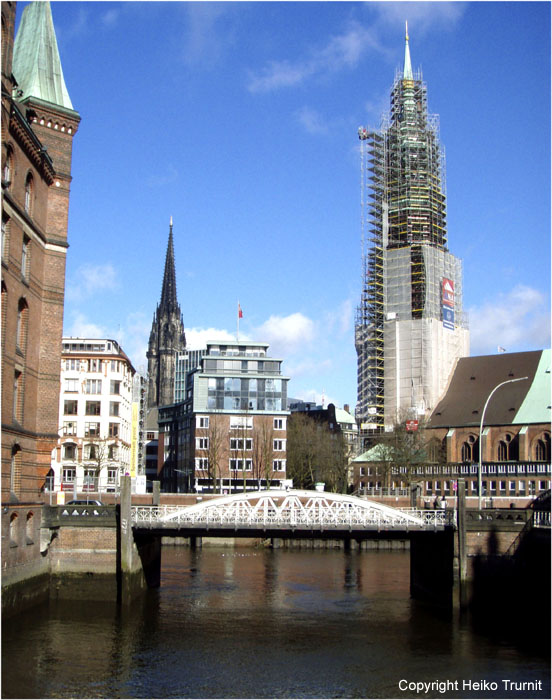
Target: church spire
[
  {"x": 407, "y": 71},
  {"x": 36, "y": 62},
  {"x": 168, "y": 293}
]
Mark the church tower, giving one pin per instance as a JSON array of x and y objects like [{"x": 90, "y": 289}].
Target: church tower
[
  {"x": 167, "y": 336},
  {"x": 410, "y": 327}
]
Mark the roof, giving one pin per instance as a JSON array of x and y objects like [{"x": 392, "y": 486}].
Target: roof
[
  {"x": 343, "y": 416},
  {"x": 378, "y": 453},
  {"x": 515, "y": 403},
  {"x": 36, "y": 62}
]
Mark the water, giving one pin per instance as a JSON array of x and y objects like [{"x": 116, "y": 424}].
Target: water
[{"x": 253, "y": 623}]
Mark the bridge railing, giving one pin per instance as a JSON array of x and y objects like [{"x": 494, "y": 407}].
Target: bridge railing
[{"x": 331, "y": 518}]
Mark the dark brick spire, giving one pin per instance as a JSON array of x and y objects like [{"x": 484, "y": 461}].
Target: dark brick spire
[
  {"x": 169, "y": 301},
  {"x": 167, "y": 337}
]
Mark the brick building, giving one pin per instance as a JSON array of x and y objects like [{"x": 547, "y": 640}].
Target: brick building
[
  {"x": 230, "y": 433},
  {"x": 38, "y": 126},
  {"x": 515, "y": 436}
]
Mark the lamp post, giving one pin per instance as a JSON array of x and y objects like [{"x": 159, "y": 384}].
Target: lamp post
[{"x": 508, "y": 381}]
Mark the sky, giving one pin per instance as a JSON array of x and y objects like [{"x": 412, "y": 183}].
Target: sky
[{"x": 239, "y": 120}]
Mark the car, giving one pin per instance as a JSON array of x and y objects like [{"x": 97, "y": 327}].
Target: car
[{"x": 83, "y": 502}]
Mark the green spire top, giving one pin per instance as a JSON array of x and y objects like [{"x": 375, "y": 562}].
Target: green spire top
[
  {"x": 407, "y": 72},
  {"x": 36, "y": 63}
]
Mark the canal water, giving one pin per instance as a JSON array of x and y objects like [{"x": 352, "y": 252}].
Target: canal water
[{"x": 252, "y": 623}]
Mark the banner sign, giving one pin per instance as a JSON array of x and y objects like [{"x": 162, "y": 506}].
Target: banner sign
[
  {"x": 448, "y": 292},
  {"x": 448, "y": 318}
]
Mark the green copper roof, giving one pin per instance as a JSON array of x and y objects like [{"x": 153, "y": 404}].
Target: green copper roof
[
  {"x": 36, "y": 64},
  {"x": 536, "y": 404},
  {"x": 407, "y": 71}
]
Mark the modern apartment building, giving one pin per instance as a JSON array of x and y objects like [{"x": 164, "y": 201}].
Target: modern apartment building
[
  {"x": 410, "y": 326},
  {"x": 229, "y": 432},
  {"x": 96, "y": 417}
]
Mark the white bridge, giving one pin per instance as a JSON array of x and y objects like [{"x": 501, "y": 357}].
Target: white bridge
[{"x": 292, "y": 511}]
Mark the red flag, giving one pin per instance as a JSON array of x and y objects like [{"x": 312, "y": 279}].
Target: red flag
[{"x": 240, "y": 312}]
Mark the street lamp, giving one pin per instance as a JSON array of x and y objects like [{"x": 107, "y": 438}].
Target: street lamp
[{"x": 508, "y": 381}]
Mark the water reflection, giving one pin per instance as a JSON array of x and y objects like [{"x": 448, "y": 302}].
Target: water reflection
[{"x": 254, "y": 623}]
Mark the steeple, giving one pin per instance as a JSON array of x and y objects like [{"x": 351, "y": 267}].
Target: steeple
[
  {"x": 36, "y": 62},
  {"x": 407, "y": 71},
  {"x": 168, "y": 293}
]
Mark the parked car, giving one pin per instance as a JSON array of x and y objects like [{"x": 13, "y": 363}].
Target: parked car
[{"x": 83, "y": 502}]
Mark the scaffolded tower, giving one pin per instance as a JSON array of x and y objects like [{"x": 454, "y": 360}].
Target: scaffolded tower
[{"x": 404, "y": 359}]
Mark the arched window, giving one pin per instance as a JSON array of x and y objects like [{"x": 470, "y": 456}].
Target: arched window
[
  {"x": 508, "y": 448},
  {"x": 26, "y": 257},
  {"x": 7, "y": 171},
  {"x": 30, "y": 528},
  {"x": 5, "y": 239},
  {"x": 28, "y": 193},
  {"x": 22, "y": 323},
  {"x": 18, "y": 396},
  {"x": 4, "y": 307},
  {"x": 470, "y": 449},
  {"x": 542, "y": 448},
  {"x": 15, "y": 470},
  {"x": 91, "y": 452},
  {"x": 13, "y": 530},
  {"x": 69, "y": 451}
]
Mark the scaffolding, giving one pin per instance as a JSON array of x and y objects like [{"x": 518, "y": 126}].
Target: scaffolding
[{"x": 403, "y": 219}]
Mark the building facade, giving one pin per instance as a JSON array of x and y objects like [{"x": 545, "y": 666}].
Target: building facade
[
  {"x": 38, "y": 127},
  {"x": 410, "y": 327},
  {"x": 503, "y": 398},
  {"x": 98, "y": 418},
  {"x": 167, "y": 337},
  {"x": 229, "y": 434}
]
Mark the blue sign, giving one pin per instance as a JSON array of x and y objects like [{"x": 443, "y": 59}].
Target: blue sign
[{"x": 448, "y": 318}]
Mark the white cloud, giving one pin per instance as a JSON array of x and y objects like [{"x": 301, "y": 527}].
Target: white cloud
[
  {"x": 91, "y": 279},
  {"x": 287, "y": 334},
  {"x": 344, "y": 50},
  {"x": 196, "y": 338},
  {"x": 207, "y": 32},
  {"x": 517, "y": 320},
  {"x": 312, "y": 121},
  {"x": 421, "y": 16},
  {"x": 81, "y": 327}
]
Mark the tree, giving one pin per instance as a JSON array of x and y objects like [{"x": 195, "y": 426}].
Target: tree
[
  {"x": 402, "y": 449},
  {"x": 262, "y": 454},
  {"x": 302, "y": 450},
  {"x": 215, "y": 447}
]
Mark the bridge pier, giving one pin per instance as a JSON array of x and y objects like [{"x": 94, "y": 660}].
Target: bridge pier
[{"x": 131, "y": 578}]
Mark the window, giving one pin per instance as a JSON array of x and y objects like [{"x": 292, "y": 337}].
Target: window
[
  {"x": 241, "y": 443},
  {"x": 113, "y": 408},
  {"x": 114, "y": 387},
  {"x": 93, "y": 408},
  {"x": 15, "y": 469},
  {"x": 202, "y": 463},
  {"x": 112, "y": 476},
  {"x": 21, "y": 328},
  {"x": 28, "y": 193},
  {"x": 470, "y": 449},
  {"x": 69, "y": 428},
  {"x": 70, "y": 407},
  {"x": 241, "y": 422},
  {"x": 90, "y": 452},
  {"x": 279, "y": 445},
  {"x": 237, "y": 465},
  {"x": 512, "y": 487},
  {"x": 202, "y": 443},
  {"x": 115, "y": 366},
  {"x": 68, "y": 475},
  {"x": 542, "y": 448},
  {"x": 93, "y": 386},
  {"x": 69, "y": 451},
  {"x": 7, "y": 173},
  {"x": 522, "y": 487},
  {"x": 17, "y": 395},
  {"x": 30, "y": 528},
  {"x": 13, "y": 530},
  {"x": 113, "y": 430},
  {"x": 72, "y": 385},
  {"x": 362, "y": 471},
  {"x": 25, "y": 257},
  {"x": 91, "y": 430},
  {"x": 279, "y": 465},
  {"x": 113, "y": 452},
  {"x": 279, "y": 424},
  {"x": 94, "y": 365},
  {"x": 202, "y": 421}
]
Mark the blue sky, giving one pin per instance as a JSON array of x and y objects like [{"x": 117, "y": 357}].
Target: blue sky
[{"x": 239, "y": 120}]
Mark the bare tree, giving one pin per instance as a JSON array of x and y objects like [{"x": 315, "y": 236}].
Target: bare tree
[
  {"x": 263, "y": 451},
  {"x": 215, "y": 447}
]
